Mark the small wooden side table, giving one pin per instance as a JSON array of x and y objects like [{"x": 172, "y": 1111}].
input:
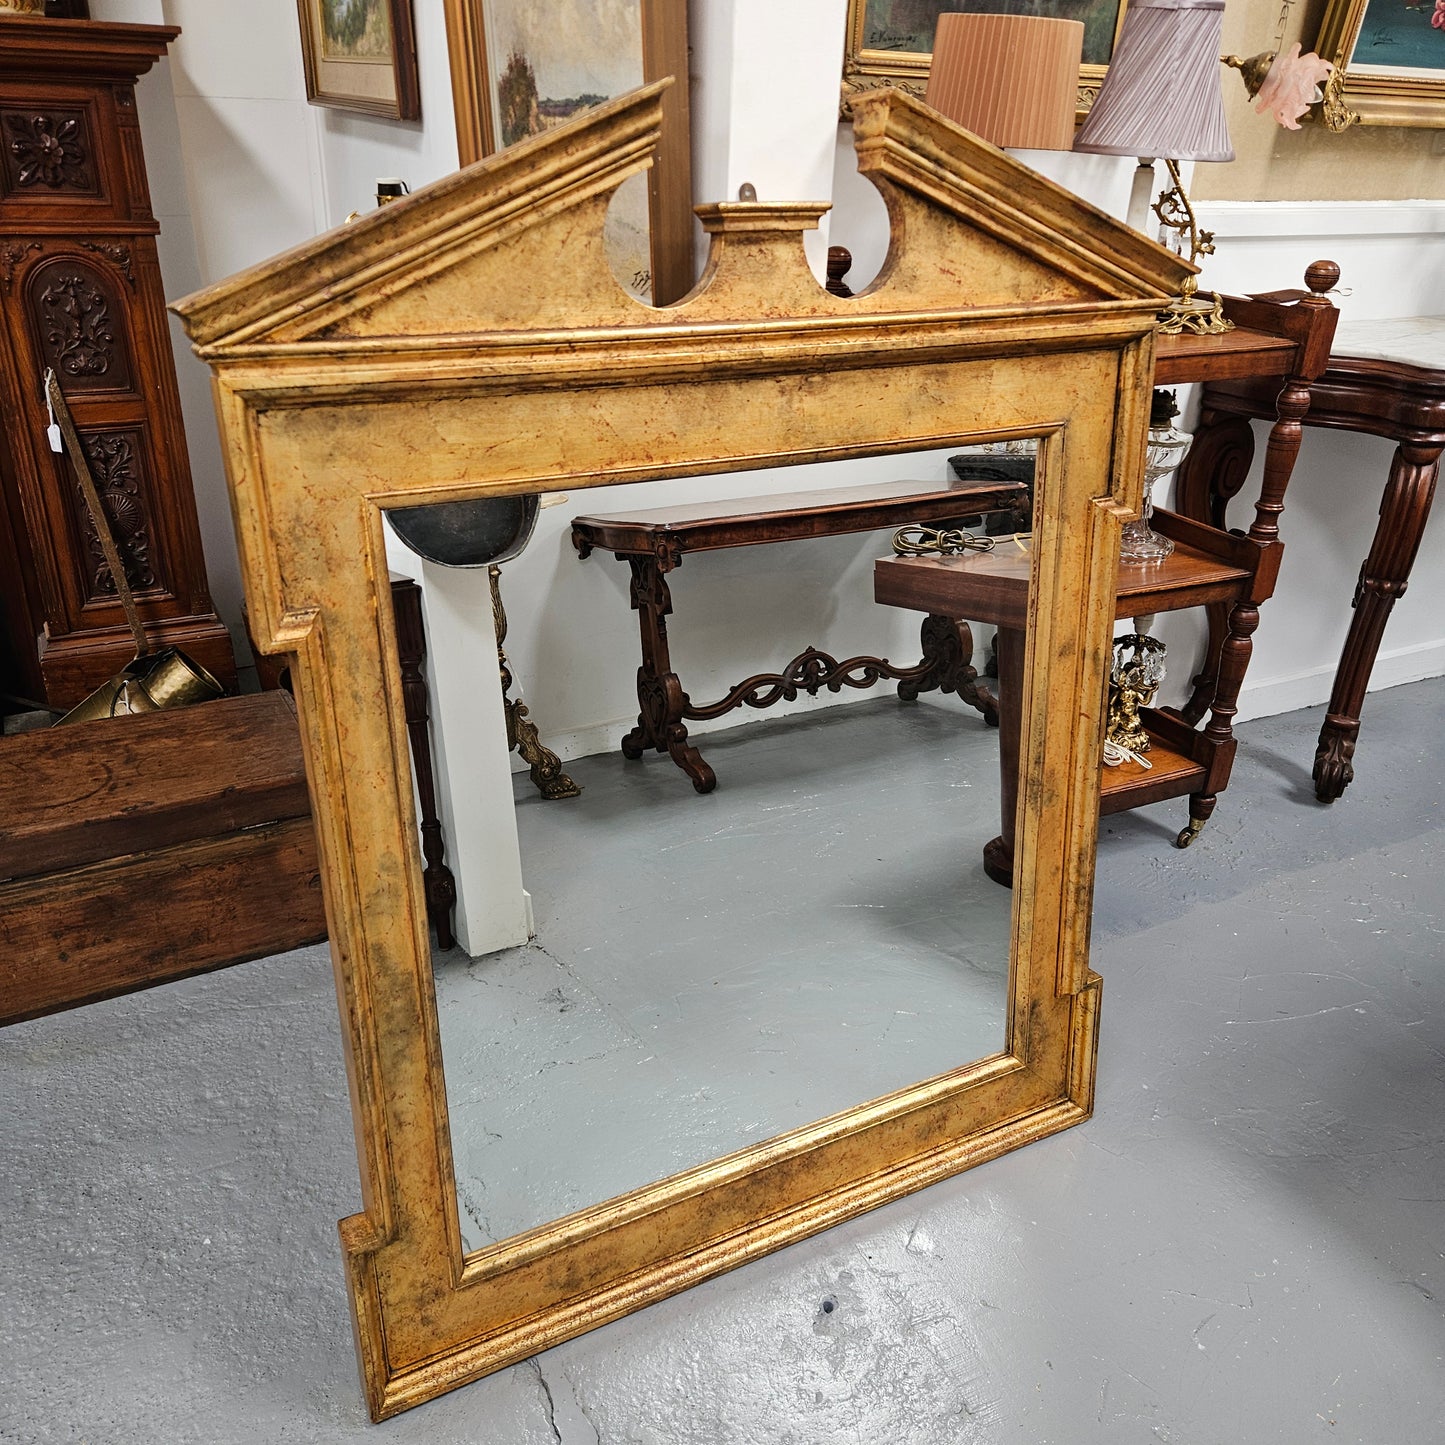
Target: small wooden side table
[
  {"x": 1387, "y": 379},
  {"x": 1206, "y": 567}
]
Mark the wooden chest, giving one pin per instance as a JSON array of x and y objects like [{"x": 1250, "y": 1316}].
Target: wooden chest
[{"x": 143, "y": 849}]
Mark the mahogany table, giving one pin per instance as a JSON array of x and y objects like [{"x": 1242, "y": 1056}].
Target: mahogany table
[{"x": 1387, "y": 380}]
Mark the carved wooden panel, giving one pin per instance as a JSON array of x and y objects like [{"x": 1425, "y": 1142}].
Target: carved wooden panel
[
  {"x": 79, "y": 324},
  {"x": 119, "y": 462},
  {"x": 48, "y": 150}
]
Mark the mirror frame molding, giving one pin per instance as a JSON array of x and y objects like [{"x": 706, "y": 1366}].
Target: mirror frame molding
[{"x": 468, "y": 341}]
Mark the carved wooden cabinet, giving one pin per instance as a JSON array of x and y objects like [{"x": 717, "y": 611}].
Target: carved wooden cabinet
[{"x": 80, "y": 291}]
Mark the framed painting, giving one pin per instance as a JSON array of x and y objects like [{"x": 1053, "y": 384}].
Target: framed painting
[
  {"x": 1389, "y": 59},
  {"x": 522, "y": 67},
  {"x": 890, "y": 42},
  {"x": 361, "y": 55}
]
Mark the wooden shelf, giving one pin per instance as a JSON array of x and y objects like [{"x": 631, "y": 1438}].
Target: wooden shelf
[
  {"x": 1170, "y": 775},
  {"x": 1238, "y": 353}
]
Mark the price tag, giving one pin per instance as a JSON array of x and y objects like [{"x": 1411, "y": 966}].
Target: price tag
[{"x": 52, "y": 432}]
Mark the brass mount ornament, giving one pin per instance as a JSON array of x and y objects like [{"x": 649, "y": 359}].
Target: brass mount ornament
[{"x": 1202, "y": 315}]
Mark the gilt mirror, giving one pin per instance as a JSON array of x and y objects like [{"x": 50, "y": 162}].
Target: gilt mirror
[{"x": 470, "y": 341}]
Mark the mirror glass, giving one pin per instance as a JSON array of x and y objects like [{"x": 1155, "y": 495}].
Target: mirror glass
[{"x": 712, "y": 971}]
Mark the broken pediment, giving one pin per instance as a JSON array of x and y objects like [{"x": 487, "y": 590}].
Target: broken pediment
[{"x": 514, "y": 244}]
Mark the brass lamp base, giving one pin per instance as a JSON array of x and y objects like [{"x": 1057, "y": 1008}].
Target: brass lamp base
[
  {"x": 1189, "y": 311},
  {"x": 1201, "y": 315}
]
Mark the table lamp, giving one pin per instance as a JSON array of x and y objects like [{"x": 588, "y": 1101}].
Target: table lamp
[
  {"x": 1011, "y": 79},
  {"x": 1162, "y": 99}
]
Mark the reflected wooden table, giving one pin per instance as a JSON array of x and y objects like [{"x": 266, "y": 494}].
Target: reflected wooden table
[{"x": 654, "y": 541}]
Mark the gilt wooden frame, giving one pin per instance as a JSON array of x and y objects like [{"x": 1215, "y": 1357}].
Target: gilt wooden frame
[
  {"x": 469, "y": 340},
  {"x": 1387, "y": 94},
  {"x": 867, "y": 68}
]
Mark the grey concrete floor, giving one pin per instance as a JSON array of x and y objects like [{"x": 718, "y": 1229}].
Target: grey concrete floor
[
  {"x": 1244, "y": 1244},
  {"x": 711, "y": 972}
]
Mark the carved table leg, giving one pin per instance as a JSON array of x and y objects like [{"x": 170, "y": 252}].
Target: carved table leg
[
  {"x": 661, "y": 700},
  {"x": 948, "y": 653},
  {"x": 998, "y": 853},
  {"x": 1383, "y": 577},
  {"x": 437, "y": 880},
  {"x": 544, "y": 766}
]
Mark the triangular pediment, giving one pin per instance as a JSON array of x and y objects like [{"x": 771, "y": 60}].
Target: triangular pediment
[{"x": 514, "y": 244}]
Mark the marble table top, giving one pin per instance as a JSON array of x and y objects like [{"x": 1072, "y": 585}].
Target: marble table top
[{"x": 1410, "y": 340}]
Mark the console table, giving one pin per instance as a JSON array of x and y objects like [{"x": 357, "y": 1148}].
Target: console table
[
  {"x": 653, "y": 543},
  {"x": 1387, "y": 380}
]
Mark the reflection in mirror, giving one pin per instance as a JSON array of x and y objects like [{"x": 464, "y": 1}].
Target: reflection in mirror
[{"x": 710, "y": 972}]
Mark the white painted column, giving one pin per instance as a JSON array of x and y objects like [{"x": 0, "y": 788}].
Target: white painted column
[{"x": 469, "y": 744}]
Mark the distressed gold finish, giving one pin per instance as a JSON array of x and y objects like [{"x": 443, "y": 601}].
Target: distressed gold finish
[{"x": 469, "y": 340}]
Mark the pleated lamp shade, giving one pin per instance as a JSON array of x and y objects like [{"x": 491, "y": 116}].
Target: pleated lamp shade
[
  {"x": 1162, "y": 94},
  {"x": 1012, "y": 79}
]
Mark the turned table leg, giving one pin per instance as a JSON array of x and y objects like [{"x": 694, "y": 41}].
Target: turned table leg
[
  {"x": 661, "y": 700},
  {"x": 998, "y": 853},
  {"x": 1404, "y": 509},
  {"x": 438, "y": 882}
]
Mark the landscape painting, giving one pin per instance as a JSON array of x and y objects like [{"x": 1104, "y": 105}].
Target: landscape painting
[
  {"x": 549, "y": 59},
  {"x": 356, "y": 30},
  {"x": 361, "y": 55},
  {"x": 908, "y": 25}
]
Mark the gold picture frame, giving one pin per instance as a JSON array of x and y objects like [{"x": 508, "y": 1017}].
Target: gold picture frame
[
  {"x": 664, "y": 46},
  {"x": 879, "y": 52},
  {"x": 361, "y": 55},
  {"x": 1389, "y": 64},
  {"x": 469, "y": 340}
]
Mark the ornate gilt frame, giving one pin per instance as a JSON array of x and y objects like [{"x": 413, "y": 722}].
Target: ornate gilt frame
[
  {"x": 1402, "y": 99},
  {"x": 865, "y": 69},
  {"x": 470, "y": 340}
]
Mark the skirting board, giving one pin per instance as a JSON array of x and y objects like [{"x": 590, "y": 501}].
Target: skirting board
[{"x": 1312, "y": 688}]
